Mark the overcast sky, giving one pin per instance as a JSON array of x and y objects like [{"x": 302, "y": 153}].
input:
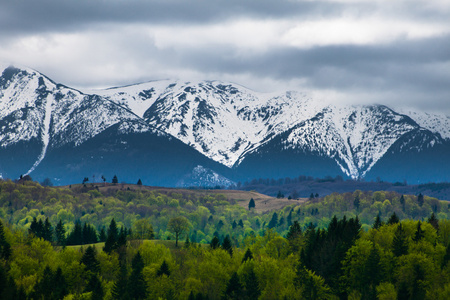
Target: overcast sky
[{"x": 394, "y": 52}]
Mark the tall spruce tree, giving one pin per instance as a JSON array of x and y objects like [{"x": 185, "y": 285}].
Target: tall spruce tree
[
  {"x": 227, "y": 246},
  {"x": 251, "y": 204},
  {"x": 5, "y": 247},
  {"x": 400, "y": 243},
  {"x": 393, "y": 219},
  {"x": 137, "y": 288},
  {"x": 60, "y": 233},
  {"x": 111, "y": 239},
  {"x": 377, "y": 224},
  {"x": 89, "y": 259}
]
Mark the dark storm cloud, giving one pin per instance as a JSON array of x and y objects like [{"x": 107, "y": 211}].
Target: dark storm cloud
[{"x": 55, "y": 15}]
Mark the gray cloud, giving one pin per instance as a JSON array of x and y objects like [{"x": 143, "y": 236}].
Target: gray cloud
[{"x": 89, "y": 43}]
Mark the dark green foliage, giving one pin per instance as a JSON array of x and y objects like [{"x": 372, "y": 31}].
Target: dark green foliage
[
  {"x": 76, "y": 236},
  {"x": 400, "y": 243},
  {"x": 356, "y": 202},
  {"x": 47, "y": 231},
  {"x": 241, "y": 223},
  {"x": 136, "y": 285},
  {"x": 325, "y": 249},
  {"x": 60, "y": 233},
  {"x": 377, "y": 224},
  {"x": 90, "y": 261},
  {"x": 447, "y": 256},
  {"x": 294, "y": 236},
  {"x": 420, "y": 200},
  {"x": 215, "y": 243},
  {"x": 252, "y": 289},
  {"x": 402, "y": 202},
  {"x": 95, "y": 286},
  {"x": 248, "y": 255},
  {"x": 43, "y": 288},
  {"x": 434, "y": 221},
  {"x": 227, "y": 246},
  {"x": 164, "y": 269},
  {"x": 234, "y": 288},
  {"x": 393, "y": 219},
  {"x": 111, "y": 239},
  {"x": 419, "y": 233},
  {"x": 5, "y": 247},
  {"x": 280, "y": 195},
  {"x": 234, "y": 224},
  {"x": 115, "y": 180},
  {"x": 251, "y": 204},
  {"x": 273, "y": 221},
  {"x": 60, "y": 288},
  {"x": 139, "y": 182},
  {"x": 102, "y": 236},
  {"x": 120, "y": 288}
]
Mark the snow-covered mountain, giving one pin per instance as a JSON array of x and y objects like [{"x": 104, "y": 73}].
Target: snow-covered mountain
[{"x": 50, "y": 130}]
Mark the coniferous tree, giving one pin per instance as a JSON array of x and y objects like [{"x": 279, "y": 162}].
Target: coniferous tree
[
  {"x": 60, "y": 233},
  {"x": 164, "y": 269},
  {"x": 446, "y": 256},
  {"x": 420, "y": 200},
  {"x": 5, "y": 247},
  {"x": 227, "y": 246},
  {"x": 187, "y": 242},
  {"x": 139, "y": 182},
  {"x": 356, "y": 202},
  {"x": 90, "y": 261},
  {"x": 273, "y": 221},
  {"x": 76, "y": 236},
  {"x": 43, "y": 288},
  {"x": 119, "y": 290},
  {"x": 434, "y": 221},
  {"x": 47, "y": 231},
  {"x": 419, "y": 232},
  {"x": 95, "y": 286},
  {"x": 402, "y": 202},
  {"x": 115, "y": 180},
  {"x": 60, "y": 287},
  {"x": 377, "y": 224},
  {"x": 111, "y": 239},
  {"x": 294, "y": 236},
  {"x": 234, "y": 287},
  {"x": 248, "y": 255},
  {"x": 241, "y": 223},
  {"x": 136, "y": 285},
  {"x": 252, "y": 286},
  {"x": 234, "y": 224},
  {"x": 215, "y": 243},
  {"x": 393, "y": 219},
  {"x": 399, "y": 243},
  {"x": 251, "y": 204},
  {"x": 102, "y": 236}
]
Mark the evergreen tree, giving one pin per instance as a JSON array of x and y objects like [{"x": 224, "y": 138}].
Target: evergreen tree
[
  {"x": 399, "y": 243},
  {"x": 420, "y": 200},
  {"x": 419, "y": 233},
  {"x": 240, "y": 223},
  {"x": 115, "y": 180},
  {"x": 215, "y": 243},
  {"x": 226, "y": 245},
  {"x": 76, "y": 236},
  {"x": 90, "y": 261},
  {"x": 43, "y": 288},
  {"x": 111, "y": 239},
  {"x": 447, "y": 256},
  {"x": 234, "y": 287},
  {"x": 119, "y": 290},
  {"x": 60, "y": 287},
  {"x": 95, "y": 286},
  {"x": 434, "y": 221},
  {"x": 273, "y": 221},
  {"x": 252, "y": 286},
  {"x": 47, "y": 231},
  {"x": 5, "y": 247},
  {"x": 60, "y": 233},
  {"x": 294, "y": 236},
  {"x": 164, "y": 269},
  {"x": 102, "y": 236},
  {"x": 248, "y": 255},
  {"x": 289, "y": 218},
  {"x": 377, "y": 224},
  {"x": 403, "y": 202},
  {"x": 356, "y": 202},
  {"x": 234, "y": 224},
  {"x": 393, "y": 219},
  {"x": 251, "y": 204},
  {"x": 136, "y": 285},
  {"x": 187, "y": 242},
  {"x": 139, "y": 182}
]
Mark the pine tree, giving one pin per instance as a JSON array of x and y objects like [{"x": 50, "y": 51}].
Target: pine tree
[
  {"x": 164, "y": 269},
  {"x": 251, "y": 204},
  {"x": 227, "y": 246},
  {"x": 356, "y": 202},
  {"x": 5, "y": 247},
  {"x": 393, "y": 219},
  {"x": 402, "y": 202},
  {"x": 252, "y": 286},
  {"x": 139, "y": 182},
  {"x": 136, "y": 285},
  {"x": 248, "y": 255},
  {"x": 273, "y": 221},
  {"x": 234, "y": 287},
  {"x": 60, "y": 233},
  {"x": 90, "y": 261},
  {"x": 47, "y": 231},
  {"x": 377, "y": 224},
  {"x": 95, "y": 286},
  {"x": 111, "y": 239},
  {"x": 419, "y": 233},
  {"x": 43, "y": 288},
  {"x": 399, "y": 243},
  {"x": 241, "y": 223},
  {"x": 76, "y": 236},
  {"x": 420, "y": 200},
  {"x": 102, "y": 236},
  {"x": 215, "y": 243},
  {"x": 119, "y": 290},
  {"x": 115, "y": 180},
  {"x": 60, "y": 287},
  {"x": 434, "y": 221}
]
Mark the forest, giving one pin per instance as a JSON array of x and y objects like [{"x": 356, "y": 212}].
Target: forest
[{"x": 91, "y": 242}]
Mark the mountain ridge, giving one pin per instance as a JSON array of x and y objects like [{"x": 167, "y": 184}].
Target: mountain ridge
[{"x": 224, "y": 122}]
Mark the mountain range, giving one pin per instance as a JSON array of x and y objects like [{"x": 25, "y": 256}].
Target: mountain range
[{"x": 179, "y": 133}]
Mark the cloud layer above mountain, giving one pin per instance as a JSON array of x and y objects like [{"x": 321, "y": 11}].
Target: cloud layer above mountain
[{"x": 382, "y": 51}]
